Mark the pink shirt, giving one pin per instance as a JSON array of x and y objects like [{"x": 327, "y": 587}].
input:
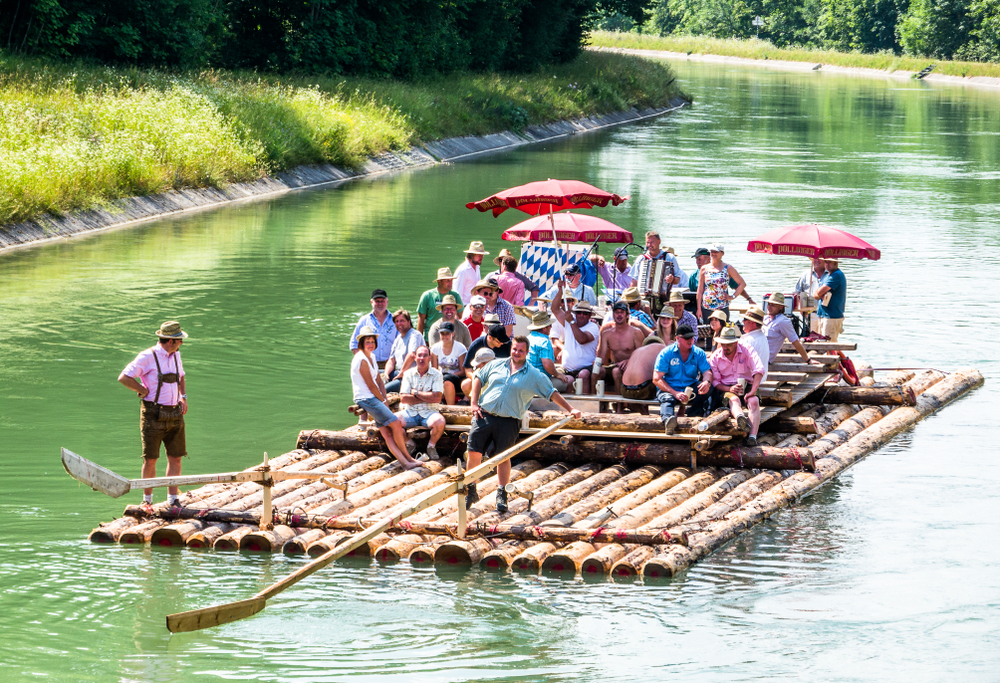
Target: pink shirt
[
  {"x": 143, "y": 368},
  {"x": 513, "y": 288},
  {"x": 745, "y": 364}
]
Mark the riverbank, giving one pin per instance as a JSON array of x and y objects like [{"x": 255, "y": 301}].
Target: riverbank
[
  {"x": 764, "y": 54},
  {"x": 77, "y": 137}
]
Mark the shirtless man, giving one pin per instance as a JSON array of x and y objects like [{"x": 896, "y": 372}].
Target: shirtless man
[
  {"x": 617, "y": 343},
  {"x": 637, "y": 380}
]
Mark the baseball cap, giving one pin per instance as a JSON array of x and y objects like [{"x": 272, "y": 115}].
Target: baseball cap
[{"x": 379, "y": 294}]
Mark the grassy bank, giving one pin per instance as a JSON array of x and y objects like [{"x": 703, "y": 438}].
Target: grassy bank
[
  {"x": 761, "y": 49},
  {"x": 73, "y": 136}
]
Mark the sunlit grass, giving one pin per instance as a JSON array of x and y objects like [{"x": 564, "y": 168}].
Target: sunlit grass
[
  {"x": 761, "y": 49},
  {"x": 74, "y": 136}
]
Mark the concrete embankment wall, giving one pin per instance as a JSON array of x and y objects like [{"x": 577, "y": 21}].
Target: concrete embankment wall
[
  {"x": 784, "y": 65},
  {"x": 132, "y": 210}
]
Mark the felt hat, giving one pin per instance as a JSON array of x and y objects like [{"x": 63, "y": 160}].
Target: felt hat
[
  {"x": 367, "y": 331},
  {"x": 447, "y": 300},
  {"x": 171, "y": 330},
  {"x": 540, "y": 320},
  {"x": 503, "y": 252},
  {"x": 754, "y": 314},
  {"x": 444, "y": 274},
  {"x": 729, "y": 335},
  {"x": 631, "y": 295},
  {"x": 477, "y": 248}
]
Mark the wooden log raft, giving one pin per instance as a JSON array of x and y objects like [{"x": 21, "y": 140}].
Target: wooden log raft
[
  {"x": 208, "y": 535},
  {"x": 670, "y": 563}
]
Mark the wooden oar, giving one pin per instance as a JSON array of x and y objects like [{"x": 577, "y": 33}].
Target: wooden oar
[{"x": 223, "y": 614}]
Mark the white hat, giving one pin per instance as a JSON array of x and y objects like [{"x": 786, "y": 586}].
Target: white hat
[
  {"x": 477, "y": 301},
  {"x": 717, "y": 247}
]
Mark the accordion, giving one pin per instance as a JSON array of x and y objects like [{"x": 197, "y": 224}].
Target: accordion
[{"x": 654, "y": 278}]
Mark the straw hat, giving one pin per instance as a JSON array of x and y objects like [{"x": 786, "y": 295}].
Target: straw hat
[
  {"x": 631, "y": 295},
  {"x": 835, "y": 259},
  {"x": 503, "y": 252},
  {"x": 171, "y": 330},
  {"x": 754, "y": 314},
  {"x": 540, "y": 320},
  {"x": 583, "y": 307},
  {"x": 491, "y": 319},
  {"x": 670, "y": 250},
  {"x": 777, "y": 299},
  {"x": 444, "y": 274},
  {"x": 730, "y": 335},
  {"x": 367, "y": 331},
  {"x": 667, "y": 312},
  {"x": 484, "y": 355},
  {"x": 652, "y": 339},
  {"x": 491, "y": 284},
  {"x": 476, "y": 248},
  {"x": 447, "y": 300},
  {"x": 677, "y": 298},
  {"x": 720, "y": 316}
]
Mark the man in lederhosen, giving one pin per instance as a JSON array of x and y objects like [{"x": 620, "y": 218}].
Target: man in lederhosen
[{"x": 157, "y": 375}]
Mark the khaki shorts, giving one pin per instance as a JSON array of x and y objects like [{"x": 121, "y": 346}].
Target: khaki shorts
[
  {"x": 831, "y": 327},
  {"x": 161, "y": 424}
]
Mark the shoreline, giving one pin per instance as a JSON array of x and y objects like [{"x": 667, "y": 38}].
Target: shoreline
[
  {"x": 788, "y": 65},
  {"x": 130, "y": 211}
]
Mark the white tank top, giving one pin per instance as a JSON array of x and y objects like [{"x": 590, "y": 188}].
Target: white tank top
[{"x": 358, "y": 383}]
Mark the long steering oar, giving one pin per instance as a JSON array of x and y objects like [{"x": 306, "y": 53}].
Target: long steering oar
[{"x": 207, "y": 617}]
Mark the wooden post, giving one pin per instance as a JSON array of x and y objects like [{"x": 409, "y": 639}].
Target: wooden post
[{"x": 266, "y": 517}]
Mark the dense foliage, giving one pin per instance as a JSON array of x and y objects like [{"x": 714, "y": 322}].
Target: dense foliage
[
  {"x": 399, "y": 38},
  {"x": 943, "y": 29}
]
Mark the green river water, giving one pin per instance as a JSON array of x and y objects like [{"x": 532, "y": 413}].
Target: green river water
[{"x": 888, "y": 573}]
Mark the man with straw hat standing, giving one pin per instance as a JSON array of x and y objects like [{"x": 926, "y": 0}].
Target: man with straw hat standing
[
  {"x": 778, "y": 328},
  {"x": 541, "y": 354},
  {"x": 157, "y": 376},
  {"x": 467, "y": 274},
  {"x": 427, "y": 309},
  {"x": 733, "y": 367}
]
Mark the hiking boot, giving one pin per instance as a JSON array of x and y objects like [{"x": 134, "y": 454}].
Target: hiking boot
[
  {"x": 502, "y": 500},
  {"x": 750, "y": 441},
  {"x": 432, "y": 452},
  {"x": 471, "y": 496},
  {"x": 742, "y": 423},
  {"x": 670, "y": 425}
]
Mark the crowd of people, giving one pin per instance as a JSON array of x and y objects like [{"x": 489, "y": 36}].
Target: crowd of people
[{"x": 462, "y": 348}]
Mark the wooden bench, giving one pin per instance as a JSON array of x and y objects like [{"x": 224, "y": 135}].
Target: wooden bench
[{"x": 822, "y": 346}]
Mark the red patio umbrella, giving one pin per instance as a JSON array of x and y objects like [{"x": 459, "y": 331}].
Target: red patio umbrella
[
  {"x": 547, "y": 196},
  {"x": 815, "y": 241},
  {"x": 569, "y": 227}
]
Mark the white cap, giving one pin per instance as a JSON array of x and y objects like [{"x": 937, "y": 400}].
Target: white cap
[
  {"x": 717, "y": 247},
  {"x": 477, "y": 301}
]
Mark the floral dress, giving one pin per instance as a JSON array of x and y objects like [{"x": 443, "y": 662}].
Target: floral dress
[{"x": 716, "y": 285}]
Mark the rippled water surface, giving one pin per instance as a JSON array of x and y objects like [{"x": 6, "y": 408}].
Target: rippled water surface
[{"x": 888, "y": 573}]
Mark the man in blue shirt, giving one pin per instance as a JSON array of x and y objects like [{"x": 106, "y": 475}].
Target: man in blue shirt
[
  {"x": 501, "y": 392},
  {"x": 676, "y": 376},
  {"x": 831, "y": 313}
]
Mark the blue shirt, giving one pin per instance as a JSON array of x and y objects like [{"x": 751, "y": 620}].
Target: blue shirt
[
  {"x": 540, "y": 349},
  {"x": 676, "y": 372},
  {"x": 838, "y": 295},
  {"x": 641, "y": 317},
  {"x": 508, "y": 395},
  {"x": 386, "y": 335}
]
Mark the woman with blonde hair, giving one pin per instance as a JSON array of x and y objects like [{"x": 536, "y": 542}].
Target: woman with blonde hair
[{"x": 666, "y": 325}]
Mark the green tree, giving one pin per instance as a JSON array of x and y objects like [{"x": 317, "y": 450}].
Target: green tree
[
  {"x": 984, "y": 34},
  {"x": 935, "y": 28}
]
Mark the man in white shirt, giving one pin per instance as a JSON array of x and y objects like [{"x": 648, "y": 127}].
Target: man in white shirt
[
  {"x": 581, "y": 336},
  {"x": 809, "y": 284},
  {"x": 754, "y": 337},
  {"x": 423, "y": 386},
  {"x": 467, "y": 274}
]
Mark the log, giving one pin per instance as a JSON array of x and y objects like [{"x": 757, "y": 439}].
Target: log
[
  {"x": 672, "y": 561},
  {"x": 359, "y": 476},
  {"x": 297, "y": 545},
  {"x": 268, "y": 540},
  {"x": 327, "y": 543},
  {"x": 206, "y": 537},
  {"x": 231, "y": 540},
  {"x": 110, "y": 532},
  {"x": 176, "y": 535},
  {"x": 923, "y": 381},
  {"x": 140, "y": 533},
  {"x": 795, "y": 425},
  {"x": 869, "y": 396}
]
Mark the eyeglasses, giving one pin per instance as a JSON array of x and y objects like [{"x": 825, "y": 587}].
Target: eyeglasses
[{"x": 478, "y": 306}]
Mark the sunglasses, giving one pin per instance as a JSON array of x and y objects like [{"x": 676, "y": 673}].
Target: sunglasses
[{"x": 479, "y": 305}]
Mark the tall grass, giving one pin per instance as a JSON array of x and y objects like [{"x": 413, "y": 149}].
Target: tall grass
[
  {"x": 74, "y": 136},
  {"x": 762, "y": 49}
]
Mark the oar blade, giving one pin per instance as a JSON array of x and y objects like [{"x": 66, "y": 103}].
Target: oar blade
[
  {"x": 207, "y": 617},
  {"x": 93, "y": 475}
]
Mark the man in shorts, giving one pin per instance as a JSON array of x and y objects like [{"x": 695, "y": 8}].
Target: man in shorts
[
  {"x": 501, "y": 392},
  {"x": 637, "y": 380},
  {"x": 580, "y": 339},
  {"x": 157, "y": 376},
  {"x": 423, "y": 386}
]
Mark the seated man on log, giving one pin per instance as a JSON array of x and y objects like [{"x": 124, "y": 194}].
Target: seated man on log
[
  {"x": 580, "y": 339},
  {"x": 637, "y": 380},
  {"x": 617, "y": 344},
  {"x": 778, "y": 328},
  {"x": 733, "y": 367},
  {"x": 449, "y": 314},
  {"x": 676, "y": 375},
  {"x": 495, "y": 340},
  {"x": 404, "y": 346},
  {"x": 500, "y": 395},
  {"x": 422, "y": 387},
  {"x": 683, "y": 316}
]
